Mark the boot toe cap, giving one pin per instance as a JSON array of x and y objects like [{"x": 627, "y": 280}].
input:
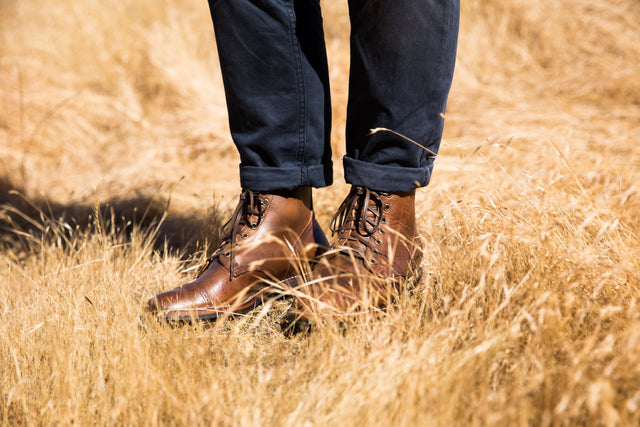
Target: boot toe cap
[{"x": 175, "y": 300}]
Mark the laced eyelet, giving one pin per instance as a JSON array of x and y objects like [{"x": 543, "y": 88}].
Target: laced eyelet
[
  {"x": 253, "y": 226},
  {"x": 383, "y": 220},
  {"x": 264, "y": 202},
  {"x": 386, "y": 207}
]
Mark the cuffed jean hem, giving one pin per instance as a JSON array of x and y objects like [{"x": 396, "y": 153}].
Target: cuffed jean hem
[
  {"x": 383, "y": 177},
  {"x": 270, "y": 179}
]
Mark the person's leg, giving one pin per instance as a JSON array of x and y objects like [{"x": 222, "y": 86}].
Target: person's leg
[
  {"x": 276, "y": 83},
  {"x": 402, "y": 60},
  {"x": 274, "y": 69}
]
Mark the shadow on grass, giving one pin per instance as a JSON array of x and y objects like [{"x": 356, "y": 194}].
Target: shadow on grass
[{"x": 27, "y": 223}]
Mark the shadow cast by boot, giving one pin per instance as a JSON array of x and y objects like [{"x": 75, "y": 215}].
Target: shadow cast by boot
[{"x": 28, "y": 222}]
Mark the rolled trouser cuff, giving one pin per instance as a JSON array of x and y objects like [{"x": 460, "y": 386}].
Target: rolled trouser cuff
[
  {"x": 385, "y": 177},
  {"x": 257, "y": 178}
]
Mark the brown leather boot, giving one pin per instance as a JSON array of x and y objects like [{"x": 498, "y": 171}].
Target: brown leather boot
[
  {"x": 377, "y": 250},
  {"x": 268, "y": 236}
]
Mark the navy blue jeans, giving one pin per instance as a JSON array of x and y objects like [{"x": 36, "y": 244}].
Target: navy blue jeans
[{"x": 274, "y": 68}]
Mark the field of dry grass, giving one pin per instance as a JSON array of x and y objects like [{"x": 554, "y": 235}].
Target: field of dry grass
[{"x": 116, "y": 170}]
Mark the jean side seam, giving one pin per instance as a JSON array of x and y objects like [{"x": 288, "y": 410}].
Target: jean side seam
[{"x": 300, "y": 87}]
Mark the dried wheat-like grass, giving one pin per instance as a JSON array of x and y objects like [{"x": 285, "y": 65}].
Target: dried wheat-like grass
[{"x": 527, "y": 311}]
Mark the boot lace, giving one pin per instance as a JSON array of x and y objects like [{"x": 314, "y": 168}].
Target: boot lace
[
  {"x": 358, "y": 218},
  {"x": 248, "y": 213}
]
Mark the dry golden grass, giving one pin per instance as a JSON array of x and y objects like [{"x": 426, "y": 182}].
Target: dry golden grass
[{"x": 529, "y": 309}]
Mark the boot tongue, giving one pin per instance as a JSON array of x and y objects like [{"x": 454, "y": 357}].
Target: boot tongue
[
  {"x": 367, "y": 213},
  {"x": 254, "y": 210},
  {"x": 370, "y": 218}
]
